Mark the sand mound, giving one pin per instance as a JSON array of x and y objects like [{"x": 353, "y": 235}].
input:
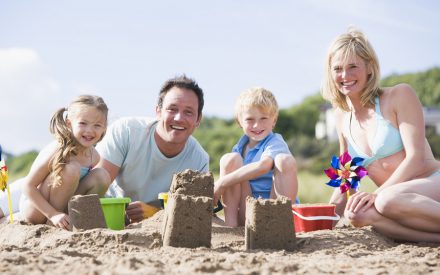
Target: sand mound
[{"x": 138, "y": 250}]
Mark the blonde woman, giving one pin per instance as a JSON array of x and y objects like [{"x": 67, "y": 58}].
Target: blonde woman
[{"x": 386, "y": 127}]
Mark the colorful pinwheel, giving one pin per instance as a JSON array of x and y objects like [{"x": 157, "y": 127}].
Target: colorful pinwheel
[
  {"x": 4, "y": 183},
  {"x": 345, "y": 172}
]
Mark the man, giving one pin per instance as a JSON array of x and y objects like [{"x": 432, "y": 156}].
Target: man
[{"x": 140, "y": 155}]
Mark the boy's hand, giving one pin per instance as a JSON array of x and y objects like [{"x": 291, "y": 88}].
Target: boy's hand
[
  {"x": 218, "y": 191},
  {"x": 61, "y": 220}
]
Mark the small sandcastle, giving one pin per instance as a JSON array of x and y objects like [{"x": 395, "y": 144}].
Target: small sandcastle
[
  {"x": 269, "y": 224},
  {"x": 85, "y": 212},
  {"x": 188, "y": 214}
]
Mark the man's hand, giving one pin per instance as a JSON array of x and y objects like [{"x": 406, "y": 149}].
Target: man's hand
[
  {"x": 61, "y": 220},
  {"x": 360, "y": 201},
  {"x": 137, "y": 211}
]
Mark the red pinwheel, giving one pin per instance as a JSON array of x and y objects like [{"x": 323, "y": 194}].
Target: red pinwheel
[{"x": 345, "y": 172}]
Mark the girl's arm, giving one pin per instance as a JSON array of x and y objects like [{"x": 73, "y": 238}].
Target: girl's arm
[
  {"x": 409, "y": 116},
  {"x": 37, "y": 175}
]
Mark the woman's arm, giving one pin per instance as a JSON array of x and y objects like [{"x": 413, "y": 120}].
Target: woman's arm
[{"x": 409, "y": 116}]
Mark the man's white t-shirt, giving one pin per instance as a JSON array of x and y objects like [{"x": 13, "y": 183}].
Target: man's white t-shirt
[{"x": 144, "y": 170}]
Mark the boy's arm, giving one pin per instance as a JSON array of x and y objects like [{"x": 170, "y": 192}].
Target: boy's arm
[{"x": 245, "y": 173}]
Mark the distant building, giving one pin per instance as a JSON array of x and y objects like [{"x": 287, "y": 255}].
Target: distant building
[{"x": 326, "y": 126}]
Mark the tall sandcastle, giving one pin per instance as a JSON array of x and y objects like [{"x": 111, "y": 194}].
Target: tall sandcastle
[{"x": 188, "y": 214}]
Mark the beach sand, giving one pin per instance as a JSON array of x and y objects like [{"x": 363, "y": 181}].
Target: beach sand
[{"x": 37, "y": 249}]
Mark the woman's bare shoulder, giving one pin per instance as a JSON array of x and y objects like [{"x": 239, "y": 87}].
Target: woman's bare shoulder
[{"x": 401, "y": 90}]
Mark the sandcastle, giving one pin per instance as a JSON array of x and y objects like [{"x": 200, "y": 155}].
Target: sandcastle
[
  {"x": 188, "y": 214},
  {"x": 269, "y": 224},
  {"x": 85, "y": 212}
]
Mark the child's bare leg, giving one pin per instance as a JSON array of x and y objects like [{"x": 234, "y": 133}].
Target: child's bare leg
[
  {"x": 231, "y": 196},
  {"x": 285, "y": 181},
  {"x": 57, "y": 196},
  {"x": 245, "y": 192},
  {"x": 96, "y": 182}
]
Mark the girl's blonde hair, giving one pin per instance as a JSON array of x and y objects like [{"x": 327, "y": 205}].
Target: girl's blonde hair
[
  {"x": 350, "y": 44},
  {"x": 68, "y": 145},
  {"x": 256, "y": 97}
]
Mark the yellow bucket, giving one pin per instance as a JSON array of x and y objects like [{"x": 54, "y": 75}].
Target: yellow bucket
[{"x": 163, "y": 197}]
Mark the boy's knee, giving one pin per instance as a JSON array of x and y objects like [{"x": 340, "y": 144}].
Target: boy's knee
[
  {"x": 231, "y": 161},
  {"x": 285, "y": 162}
]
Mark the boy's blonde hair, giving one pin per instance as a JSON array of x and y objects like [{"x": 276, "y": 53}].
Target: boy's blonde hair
[
  {"x": 258, "y": 97},
  {"x": 350, "y": 44}
]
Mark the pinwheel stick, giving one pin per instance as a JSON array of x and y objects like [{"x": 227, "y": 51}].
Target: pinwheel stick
[{"x": 11, "y": 216}]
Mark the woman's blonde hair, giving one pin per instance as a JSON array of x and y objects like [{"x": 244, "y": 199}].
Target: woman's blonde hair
[
  {"x": 350, "y": 44},
  {"x": 258, "y": 97},
  {"x": 68, "y": 145}
]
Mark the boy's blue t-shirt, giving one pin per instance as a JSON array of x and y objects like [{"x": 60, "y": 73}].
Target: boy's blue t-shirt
[{"x": 271, "y": 146}]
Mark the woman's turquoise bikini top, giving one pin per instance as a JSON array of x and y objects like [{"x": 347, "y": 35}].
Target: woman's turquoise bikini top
[{"x": 386, "y": 142}]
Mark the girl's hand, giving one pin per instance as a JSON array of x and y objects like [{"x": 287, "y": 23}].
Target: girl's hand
[
  {"x": 360, "y": 201},
  {"x": 61, "y": 220}
]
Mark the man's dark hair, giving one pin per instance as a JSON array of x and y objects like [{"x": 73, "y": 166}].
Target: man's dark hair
[{"x": 182, "y": 82}]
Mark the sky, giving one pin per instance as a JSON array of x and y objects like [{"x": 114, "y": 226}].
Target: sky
[{"x": 52, "y": 51}]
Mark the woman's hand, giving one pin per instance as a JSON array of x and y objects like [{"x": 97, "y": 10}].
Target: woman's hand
[
  {"x": 61, "y": 220},
  {"x": 360, "y": 201}
]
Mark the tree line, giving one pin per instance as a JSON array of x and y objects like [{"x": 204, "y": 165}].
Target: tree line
[{"x": 296, "y": 124}]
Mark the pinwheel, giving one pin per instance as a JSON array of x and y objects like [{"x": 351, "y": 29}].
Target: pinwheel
[
  {"x": 4, "y": 183},
  {"x": 345, "y": 173}
]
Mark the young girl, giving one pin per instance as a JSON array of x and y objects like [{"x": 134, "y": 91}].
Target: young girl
[
  {"x": 57, "y": 172},
  {"x": 384, "y": 126}
]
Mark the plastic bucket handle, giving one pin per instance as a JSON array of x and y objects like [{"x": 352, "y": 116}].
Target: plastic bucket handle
[{"x": 317, "y": 218}]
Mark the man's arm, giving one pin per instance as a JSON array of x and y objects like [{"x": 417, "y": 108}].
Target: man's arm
[{"x": 112, "y": 169}]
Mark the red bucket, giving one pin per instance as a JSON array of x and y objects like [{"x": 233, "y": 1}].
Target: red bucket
[{"x": 311, "y": 217}]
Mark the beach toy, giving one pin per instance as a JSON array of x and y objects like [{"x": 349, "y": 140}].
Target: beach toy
[
  {"x": 311, "y": 217},
  {"x": 163, "y": 197},
  {"x": 345, "y": 172},
  {"x": 4, "y": 184},
  {"x": 114, "y": 212}
]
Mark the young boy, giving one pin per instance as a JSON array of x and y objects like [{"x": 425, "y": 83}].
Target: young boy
[{"x": 260, "y": 164}]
